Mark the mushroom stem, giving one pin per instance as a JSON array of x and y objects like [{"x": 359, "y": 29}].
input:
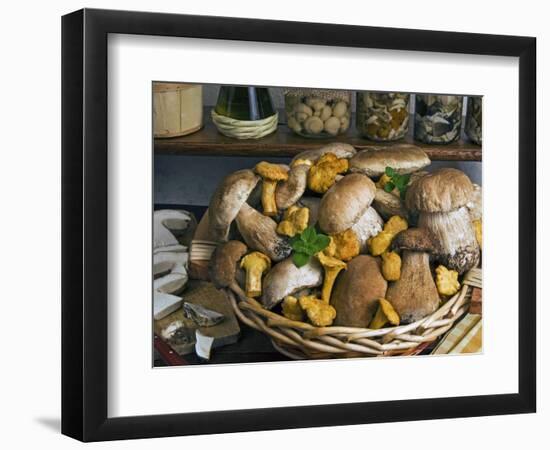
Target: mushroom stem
[
  {"x": 268, "y": 197},
  {"x": 330, "y": 277},
  {"x": 457, "y": 247},
  {"x": 254, "y": 282},
  {"x": 414, "y": 295}
]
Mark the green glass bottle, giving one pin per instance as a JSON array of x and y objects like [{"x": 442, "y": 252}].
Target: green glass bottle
[{"x": 244, "y": 103}]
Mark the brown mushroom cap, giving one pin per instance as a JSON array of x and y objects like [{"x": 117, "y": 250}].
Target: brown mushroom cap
[
  {"x": 443, "y": 190},
  {"x": 345, "y": 203},
  {"x": 357, "y": 290},
  {"x": 339, "y": 149},
  {"x": 415, "y": 239},
  {"x": 227, "y": 200},
  {"x": 223, "y": 264},
  {"x": 402, "y": 158}
]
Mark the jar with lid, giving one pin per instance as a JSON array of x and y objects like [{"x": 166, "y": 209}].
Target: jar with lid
[
  {"x": 383, "y": 116},
  {"x": 437, "y": 118},
  {"x": 318, "y": 113},
  {"x": 473, "y": 119}
]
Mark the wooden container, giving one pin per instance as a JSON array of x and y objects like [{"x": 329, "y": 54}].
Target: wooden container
[{"x": 177, "y": 109}]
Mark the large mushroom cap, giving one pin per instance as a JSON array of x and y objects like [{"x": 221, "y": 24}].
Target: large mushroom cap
[
  {"x": 285, "y": 279},
  {"x": 402, "y": 158},
  {"x": 415, "y": 239},
  {"x": 227, "y": 200},
  {"x": 345, "y": 203},
  {"x": 443, "y": 190},
  {"x": 357, "y": 290},
  {"x": 339, "y": 149}
]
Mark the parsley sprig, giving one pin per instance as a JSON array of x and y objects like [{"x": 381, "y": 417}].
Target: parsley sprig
[
  {"x": 307, "y": 244},
  {"x": 396, "y": 181}
]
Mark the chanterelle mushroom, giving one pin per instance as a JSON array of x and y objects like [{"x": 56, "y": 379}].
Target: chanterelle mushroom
[
  {"x": 255, "y": 264},
  {"x": 345, "y": 202},
  {"x": 441, "y": 198},
  {"x": 288, "y": 192},
  {"x": 223, "y": 264},
  {"x": 322, "y": 175},
  {"x": 384, "y": 314},
  {"x": 285, "y": 279},
  {"x": 259, "y": 233},
  {"x": 414, "y": 295},
  {"x": 295, "y": 220},
  {"x": 271, "y": 174},
  {"x": 227, "y": 200},
  {"x": 332, "y": 268}
]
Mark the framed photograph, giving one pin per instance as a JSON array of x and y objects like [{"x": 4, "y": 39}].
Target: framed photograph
[{"x": 273, "y": 225}]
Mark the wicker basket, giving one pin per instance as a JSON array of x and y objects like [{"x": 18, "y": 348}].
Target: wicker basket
[{"x": 300, "y": 340}]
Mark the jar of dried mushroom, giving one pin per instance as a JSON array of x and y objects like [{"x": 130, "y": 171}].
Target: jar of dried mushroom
[
  {"x": 437, "y": 118},
  {"x": 318, "y": 113},
  {"x": 382, "y": 116},
  {"x": 473, "y": 120}
]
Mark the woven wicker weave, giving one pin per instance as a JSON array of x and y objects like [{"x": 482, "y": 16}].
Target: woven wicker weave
[{"x": 299, "y": 340}]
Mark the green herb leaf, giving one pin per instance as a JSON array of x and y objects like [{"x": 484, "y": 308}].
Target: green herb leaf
[
  {"x": 300, "y": 259},
  {"x": 301, "y": 246},
  {"x": 321, "y": 242},
  {"x": 390, "y": 172},
  {"x": 389, "y": 186},
  {"x": 308, "y": 235}
]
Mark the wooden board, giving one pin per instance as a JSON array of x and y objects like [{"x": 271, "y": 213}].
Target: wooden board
[
  {"x": 285, "y": 143},
  {"x": 205, "y": 294}
]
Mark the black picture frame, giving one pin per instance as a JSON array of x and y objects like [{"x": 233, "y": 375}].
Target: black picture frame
[{"x": 84, "y": 224}]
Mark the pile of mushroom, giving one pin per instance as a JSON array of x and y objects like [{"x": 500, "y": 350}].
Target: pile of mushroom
[{"x": 388, "y": 255}]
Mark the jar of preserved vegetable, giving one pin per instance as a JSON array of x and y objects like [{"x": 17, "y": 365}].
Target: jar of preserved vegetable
[
  {"x": 473, "y": 120},
  {"x": 382, "y": 116},
  {"x": 437, "y": 118},
  {"x": 318, "y": 113}
]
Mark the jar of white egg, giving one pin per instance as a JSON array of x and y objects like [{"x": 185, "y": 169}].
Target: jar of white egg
[{"x": 318, "y": 113}]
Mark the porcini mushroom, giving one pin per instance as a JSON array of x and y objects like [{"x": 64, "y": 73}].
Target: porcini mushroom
[
  {"x": 255, "y": 264},
  {"x": 345, "y": 202},
  {"x": 414, "y": 295},
  {"x": 368, "y": 225},
  {"x": 227, "y": 200},
  {"x": 259, "y": 233},
  {"x": 288, "y": 192},
  {"x": 224, "y": 263},
  {"x": 339, "y": 149},
  {"x": 271, "y": 174},
  {"x": 384, "y": 314},
  {"x": 403, "y": 158},
  {"x": 357, "y": 290},
  {"x": 332, "y": 268},
  {"x": 441, "y": 198},
  {"x": 285, "y": 279}
]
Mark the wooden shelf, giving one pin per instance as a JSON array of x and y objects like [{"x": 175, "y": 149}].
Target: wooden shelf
[{"x": 285, "y": 143}]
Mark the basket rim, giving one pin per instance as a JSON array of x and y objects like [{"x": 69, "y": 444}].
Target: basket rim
[{"x": 289, "y": 335}]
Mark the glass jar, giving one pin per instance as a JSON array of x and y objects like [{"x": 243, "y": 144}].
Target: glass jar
[
  {"x": 244, "y": 112},
  {"x": 382, "y": 116},
  {"x": 473, "y": 120},
  {"x": 318, "y": 113},
  {"x": 437, "y": 118},
  {"x": 244, "y": 103}
]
